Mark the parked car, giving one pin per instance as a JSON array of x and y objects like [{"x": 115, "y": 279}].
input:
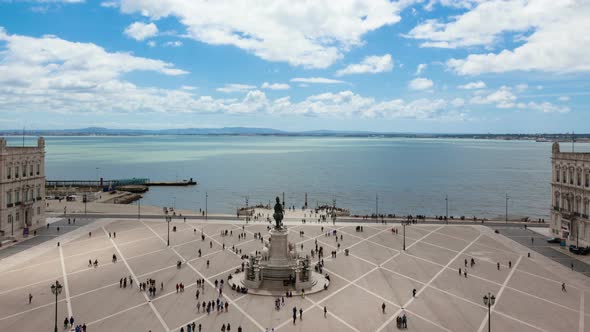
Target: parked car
[
  {"x": 579, "y": 250},
  {"x": 554, "y": 240}
]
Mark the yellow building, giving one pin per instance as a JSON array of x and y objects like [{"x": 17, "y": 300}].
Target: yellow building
[
  {"x": 570, "y": 187},
  {"x": 22, "y": 187}
]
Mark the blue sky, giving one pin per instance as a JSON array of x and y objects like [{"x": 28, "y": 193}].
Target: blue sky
[{"x": 394, "y": 66}]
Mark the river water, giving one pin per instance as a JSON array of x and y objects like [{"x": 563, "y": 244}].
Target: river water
[{"x": 400, "y": 175}]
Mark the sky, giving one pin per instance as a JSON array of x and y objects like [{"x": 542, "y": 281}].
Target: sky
[{"x": 430, "y": 66}]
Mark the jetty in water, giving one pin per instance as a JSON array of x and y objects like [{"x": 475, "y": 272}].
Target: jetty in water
[{"x": 113, "y": 184}]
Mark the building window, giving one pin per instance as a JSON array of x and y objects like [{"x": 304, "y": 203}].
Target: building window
[
  {"x": 579, "y": 178},
  {"x": 571, "y": 176},
  {"x": 38, "y": 193},
  {"x": 16, "y": 172},
  {"x": 8, "y": 172},
  {"x": 24, "y": 171},
  {"x": 563, "y": 176},
  {"x": 31, "y": 169},
  {"x": 38, "y": 210},
  {"x": 587, "y": 180},
  {"x": 557, "y": 176},
  {"x": 38, "y": 168},
  {"x": 16, "y": 196},
  {"x": 31, "y": 195},
  {"x": 17, "y": 218},
  {"x": 8, "y": 198}
]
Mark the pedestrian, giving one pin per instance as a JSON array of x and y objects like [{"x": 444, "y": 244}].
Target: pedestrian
[
  {"x": 294, "y": 315},
  {"x": 532, "y": 241},
  {"x": 465, "y": 273},
  {"x": 572, "y": 266},
  {"x": 465, "y": 262},
  {"x": 325, "y": 311},
  {"x": 563, "y": 287},
  {"x": 30, "y": 298},
  {"x": 414, "y": 292},
  {"x": 115, "y": 235},
  {"x": 300, "y": 313},
  {"x": 509, "y": 264},
  {"x": 71, "y": 321},
  {"x": 460, "y": 272},
  {"x": 498, "y": 264},
  {"x": 383, "y": 307}
]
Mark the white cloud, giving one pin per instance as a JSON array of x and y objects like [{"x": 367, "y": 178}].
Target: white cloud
[
  {"x": 502, "y": 98},
  {"x": 473, "y": 85},
  {"x": 421, "y": 67},
  {"x": 176, "y": 43},
  {"x": 231, "y": 88},
  {"x": 452, "y": 3},
  {"x": 109, "y": 4},
  {"x": 458, "y": 102},
  {"x": 188, "y": 87},
  {"x": 312, "y": 34},
  {"x": 545, "y": 107},
  {"x": 275, "y": 86},
  {"x": 316, "y": 80},
  {"x": 564, "y": 98},
  {"x": 521, "y": 87},
  {"x": 151, "y": 43},
  {"x": 370, "y": 64},
  {"x": 420, "y": 84},
  {"x": 141, "y": 31},
  {"x": 550, "y": 38}
]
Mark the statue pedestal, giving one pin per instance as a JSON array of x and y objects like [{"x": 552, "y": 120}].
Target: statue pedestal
[
  {"x": 278, "y": 269},
  {"x": 279, "y": 247}
]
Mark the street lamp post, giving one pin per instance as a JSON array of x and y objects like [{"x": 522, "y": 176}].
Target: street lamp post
[
  {"x": 489, "y": 301},
  {"x": 85, "y": 198},
  {"x": 507, "y": 207},
  {"x": 139, "y": 208},
  {"x": 56, "y": 290},
  {"x": 206, "y": 197},
  {"x": 377, "y": 206},
  {"x": 404, "y": 227},
  {"x": 447, "y": 207},
  {"x": 168, "y": 220}
]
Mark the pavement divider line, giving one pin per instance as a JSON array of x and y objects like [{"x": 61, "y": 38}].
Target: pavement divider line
[
  {"x": 427, "y": 284},
  {"x": 65, "y": 278},
  {"x": 500, "y": 292},
  {"x": 166, "y": 328},
  {"x": 206, "y": 279},
  {"x": 581, "y": 329}
]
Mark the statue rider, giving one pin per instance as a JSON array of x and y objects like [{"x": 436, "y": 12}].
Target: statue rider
[{"x": 278, "y": 215}]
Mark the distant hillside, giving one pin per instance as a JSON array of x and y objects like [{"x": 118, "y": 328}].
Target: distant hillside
[{"x": 99, "y": 131}]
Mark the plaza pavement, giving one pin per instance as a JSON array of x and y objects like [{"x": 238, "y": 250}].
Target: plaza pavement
[{"x": 528, "y": 295}]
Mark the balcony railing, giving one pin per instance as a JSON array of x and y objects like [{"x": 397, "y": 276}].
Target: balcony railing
[{"x": 9, "y": 205}]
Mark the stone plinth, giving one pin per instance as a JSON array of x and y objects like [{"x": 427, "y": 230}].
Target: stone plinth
[{"x": 278, "y": 254}]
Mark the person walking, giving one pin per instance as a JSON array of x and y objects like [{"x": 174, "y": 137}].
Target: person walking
[
  {"x": 498, "y": 265},
  {"x": 563, "y": 287},
  {"x": 414, "y": 292},
  {"x": 30, "y": 298},
  {"x": 383, "y": 307},
  {"x": 300, "y": 313},
  {"x": 325, "y": 311},
  {"x": 294, "y": 315}
]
